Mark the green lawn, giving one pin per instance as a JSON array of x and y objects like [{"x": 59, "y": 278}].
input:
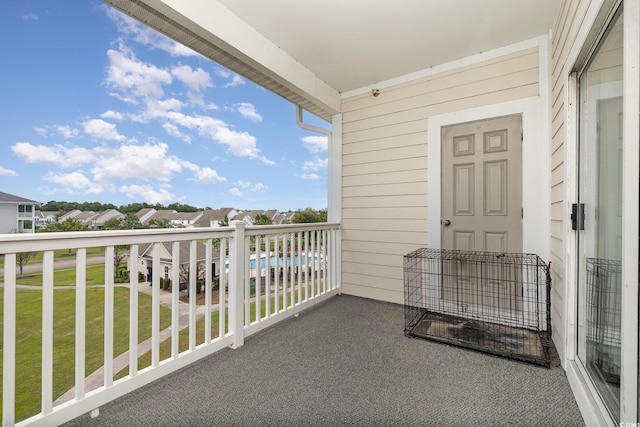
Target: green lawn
[
  {"x": 66, "y": 276},
  {"x": 29, "y": 341},
  {"x": 62, "y": 254}
]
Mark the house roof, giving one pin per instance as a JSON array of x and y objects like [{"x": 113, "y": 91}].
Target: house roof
[
  {"x": 175, "y": 216},
  {"x": 211, "y": 215},
  {"x": 145, "y": 250},
  {"x": 313, "y": 52},
  {"x": 10, "y": 198}
]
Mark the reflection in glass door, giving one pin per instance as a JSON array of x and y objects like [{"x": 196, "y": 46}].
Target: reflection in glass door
[{"x": 600, "y": 204}]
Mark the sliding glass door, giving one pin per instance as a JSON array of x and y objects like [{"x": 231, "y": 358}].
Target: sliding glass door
[{"x": 598, "y": 216}]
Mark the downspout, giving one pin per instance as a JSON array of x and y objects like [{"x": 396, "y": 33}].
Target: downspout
[{"x": 311, "y": 127}]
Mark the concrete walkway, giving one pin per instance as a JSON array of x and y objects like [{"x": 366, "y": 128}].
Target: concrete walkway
[{"x": 96, "y": 379}]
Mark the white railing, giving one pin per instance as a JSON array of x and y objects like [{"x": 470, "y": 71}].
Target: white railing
[{"x": 266, "y": 274}]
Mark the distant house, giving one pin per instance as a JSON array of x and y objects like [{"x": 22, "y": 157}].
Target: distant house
[
  {"x": 178, "y": 219},
  {"x": 90, "y": 219},
  {"x": 42, "y": 218},
  {"x": 215, "y": 217},
  {"x": 97, "y": 222},
  {"x": 15, "y": 213},
  {"x": 166, "y": 259}
]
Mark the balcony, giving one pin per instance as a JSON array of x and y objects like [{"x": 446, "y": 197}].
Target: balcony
[{"x": 332, "y": 359}]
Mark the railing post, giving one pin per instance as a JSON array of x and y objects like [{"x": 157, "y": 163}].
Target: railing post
[{"x": 236, "y": 284}]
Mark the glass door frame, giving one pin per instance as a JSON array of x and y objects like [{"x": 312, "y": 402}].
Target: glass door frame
[{"x": 630, "y": 214}]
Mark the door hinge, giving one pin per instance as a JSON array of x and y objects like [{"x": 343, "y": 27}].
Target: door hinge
[
  {"x": 521, "y": 136},
  {"x": 521, "y": 212},
  {"x": 577, "y": 216}
]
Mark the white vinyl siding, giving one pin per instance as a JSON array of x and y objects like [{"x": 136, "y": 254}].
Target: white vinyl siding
[
  {"x": 384, "y": 163},
  {"x": 564, "y": 33}
]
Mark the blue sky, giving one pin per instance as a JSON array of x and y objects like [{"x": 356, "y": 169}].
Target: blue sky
[{"x": 97, "y": 107}]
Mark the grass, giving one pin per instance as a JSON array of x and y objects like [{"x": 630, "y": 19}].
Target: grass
[
  {"x": 62, "y": 254},
  {"x": 66, "y": 276},
  {"x": 29, "y": 340}
]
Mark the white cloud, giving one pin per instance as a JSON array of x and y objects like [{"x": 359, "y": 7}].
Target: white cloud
[
  {"x": 74, "y": 182},
  {"x": 30, "y": 17},
  {"x": 148, "y": 194},
  {"x": 145, "y": 35},
  {"x": 173, "y": 130},
  {"x": 65, "y": 131},
  {"x": 315, "y": 165},
  {"x": 60, "y": 155},
  {"x": 249, "y": 185},
  {"x": 315, "y": 144},
  {"x": 205, "y": 175},
  {"x": 130, "y": 78},
  {"x": 100, "y": 129},
  {"x": 310, "y": 176},
  {"x": 221, "y": 72},
  {"x": 113, "y": 115},
  {"x": 235, "y": 192},
  {"x": 146, "y": 161},
  {"x": 240, "y": 144},
  {"x": 196, "y": 80},
  {"x": 7, "y": 172},
  {"x": 248, "y": 111},
  {"x": 236, "y": 81}
]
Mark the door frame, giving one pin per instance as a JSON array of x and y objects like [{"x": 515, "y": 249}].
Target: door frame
[{"x": 535, "y": 168}]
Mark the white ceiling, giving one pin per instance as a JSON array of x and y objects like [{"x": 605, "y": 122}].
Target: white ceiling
[{"x": 351, "y": 44}]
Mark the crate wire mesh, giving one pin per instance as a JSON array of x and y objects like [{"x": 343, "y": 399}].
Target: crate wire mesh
[
  {"x": 604, "y": 314},
  {"x": 498, "y": 303}
]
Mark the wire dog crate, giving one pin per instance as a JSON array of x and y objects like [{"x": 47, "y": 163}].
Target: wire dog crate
[{"x": 497, "y": 303}]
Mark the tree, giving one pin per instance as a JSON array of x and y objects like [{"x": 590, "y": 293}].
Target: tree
[
  {"x": 262, "y": 219},
  {"x": 309, "y": 215},
  {"x": 22, "y": 258},
  {"x": 128, "y": 222},
  {"x": 69, "y": 224},
  {"x": 160, "y": 223},
  {"x": 225, "y": 221}
]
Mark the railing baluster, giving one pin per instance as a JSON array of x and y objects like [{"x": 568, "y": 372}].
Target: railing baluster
[
  {"x": 222, "y": 291},
  {"x": 175, "y": 300},
  {"x": 247, "y": 281},
  {"x": 81, "y": 313},
  {"x": 47, "y": 332},
  {"x": 207, "y": 290},
  {"x": 285, "y": 270},
  {"x": 108, "y": 316},
  {"x": 9, "y": 342},
  {"x": 267, "y": 264},
  {"x": 299, "y": 266},
  {"x": 276, "y": 272},
  {"x": 258, "y": 283},
  {"x": 193, "y": 276},
  {"x": 155, "y": 305},
  {"x": 133, "y": 310},
  {"x": 306, "y": 265}
]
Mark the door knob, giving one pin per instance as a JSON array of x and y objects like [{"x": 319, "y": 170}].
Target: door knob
[{"x": 446, "y": 222}]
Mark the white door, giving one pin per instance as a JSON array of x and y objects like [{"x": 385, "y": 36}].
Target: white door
[
  {"x": 482, "y": 185},
  {"x": 482, "y": 211}
]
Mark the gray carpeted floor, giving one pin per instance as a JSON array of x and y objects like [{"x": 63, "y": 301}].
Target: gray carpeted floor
[{"x": 347, "y": 362}]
